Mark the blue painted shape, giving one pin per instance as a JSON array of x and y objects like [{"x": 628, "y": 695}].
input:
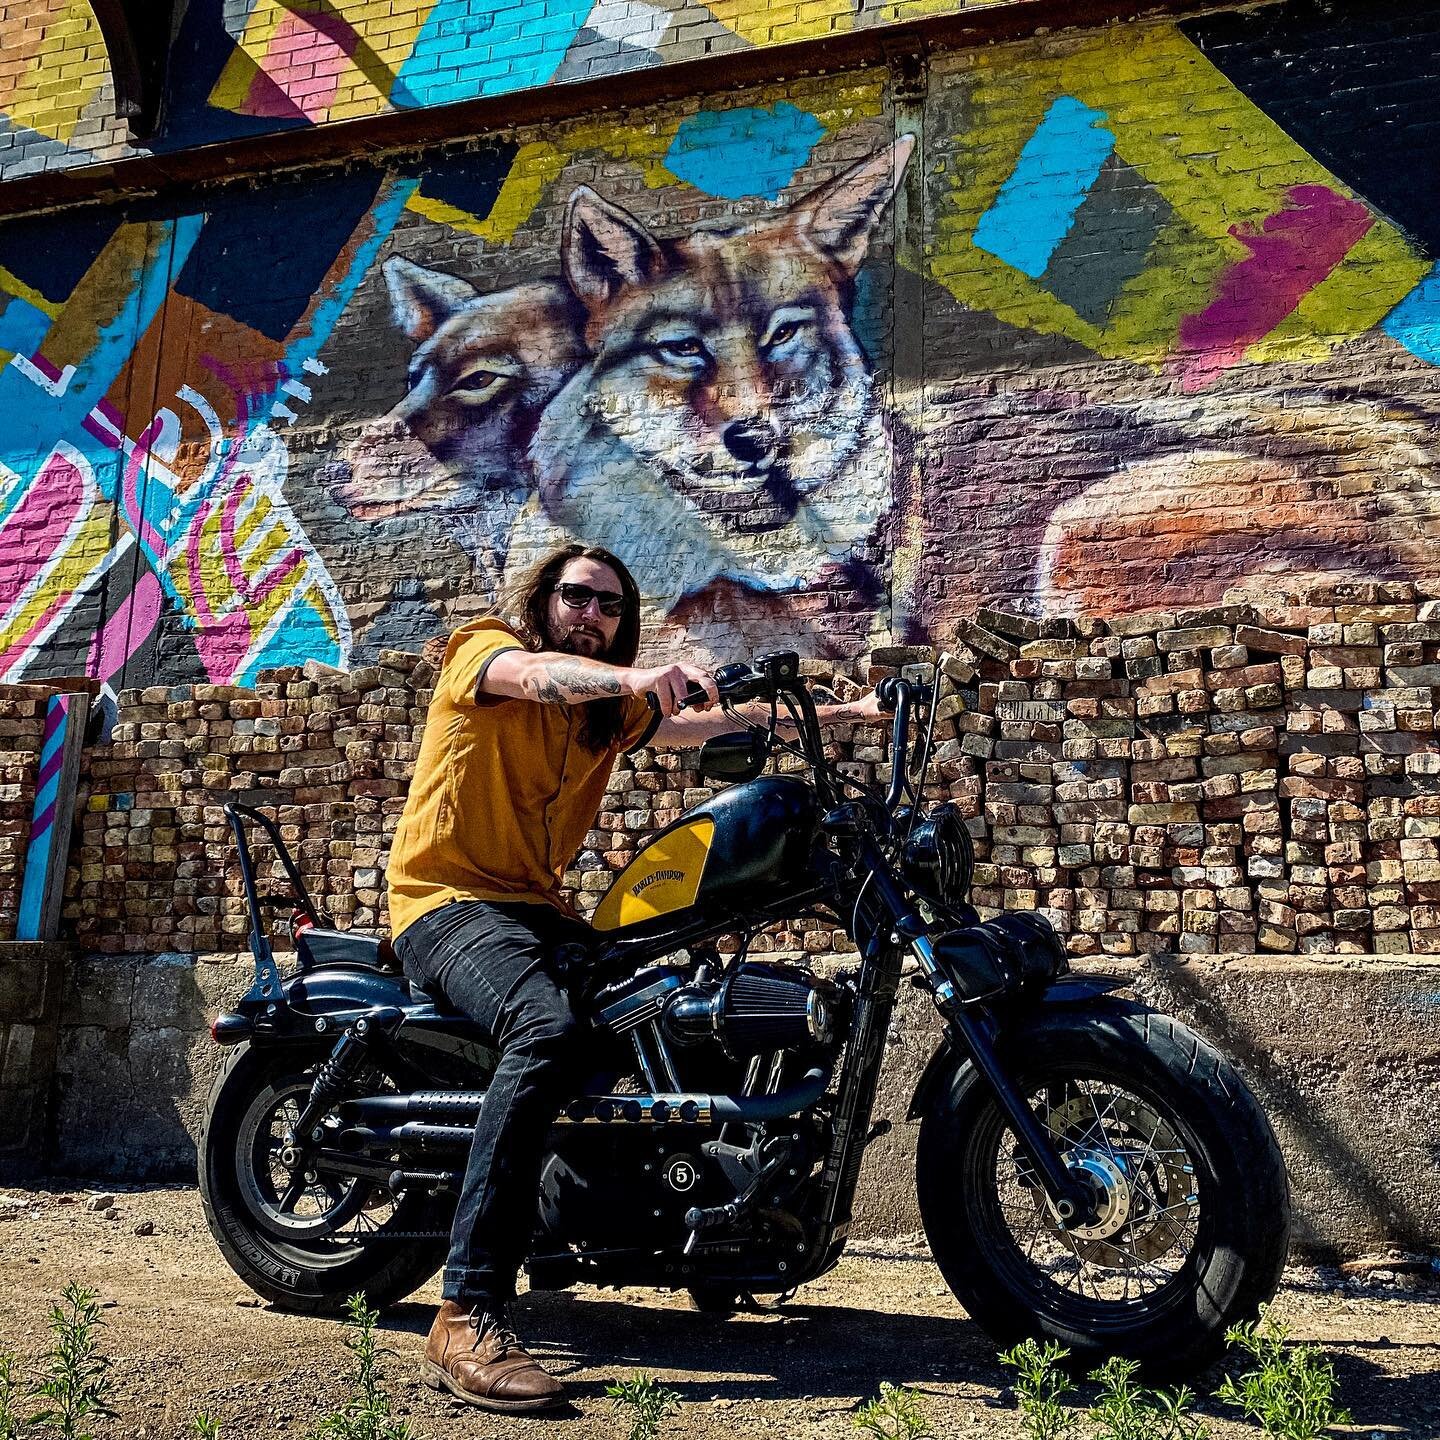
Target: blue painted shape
[
  {"x": 1036, "y": 206},
  {"x": 1415, "y": 321},
  {"x": 22, "y": 327},
  {"x": 486, "y": 47},
  {"x": 746, "y": 151}
]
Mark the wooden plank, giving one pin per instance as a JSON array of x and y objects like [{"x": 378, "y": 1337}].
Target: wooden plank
[{"x": 43, "y": 887}]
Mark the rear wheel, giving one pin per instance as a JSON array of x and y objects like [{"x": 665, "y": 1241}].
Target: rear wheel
[
  {"x": 1192, "y": 1209},
  {"x": 305, "y": 1240}
]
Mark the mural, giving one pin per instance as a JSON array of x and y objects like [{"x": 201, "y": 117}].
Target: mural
[
  {"x": 1127, "y": 341},
  {"x": 700, "y": 406}
]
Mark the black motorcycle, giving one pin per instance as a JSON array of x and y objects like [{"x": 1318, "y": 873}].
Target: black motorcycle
[{"x": 1088, "y": 1169}]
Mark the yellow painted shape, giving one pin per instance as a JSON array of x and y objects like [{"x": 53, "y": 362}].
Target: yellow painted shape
[
  {"x": 1217, "y": 159},
  {"x": 664, "y": 877},
  {"x": 40, "y": 99},
  {"x": 774, "y": 24}
]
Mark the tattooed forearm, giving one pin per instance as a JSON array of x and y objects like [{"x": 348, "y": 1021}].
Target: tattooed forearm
[{"x": 572, "y": 682}]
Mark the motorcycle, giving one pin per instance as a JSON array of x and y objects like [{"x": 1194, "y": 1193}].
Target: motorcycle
[{"x": 1088, "y": 1170}]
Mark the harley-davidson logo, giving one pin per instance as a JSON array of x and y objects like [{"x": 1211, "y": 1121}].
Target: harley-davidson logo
[{"x": 654, "y": 878}]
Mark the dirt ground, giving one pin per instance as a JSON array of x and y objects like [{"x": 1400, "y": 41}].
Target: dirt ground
[{"x": 185, "y": 1336}]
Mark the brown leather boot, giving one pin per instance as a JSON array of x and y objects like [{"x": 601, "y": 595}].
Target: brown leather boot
[{"x": 477, "y": 1358}]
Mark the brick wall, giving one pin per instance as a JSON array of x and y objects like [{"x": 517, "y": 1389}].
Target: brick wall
[
  {"x": 1082, "y": 324},
  {"x": 1261, "y": 775}
]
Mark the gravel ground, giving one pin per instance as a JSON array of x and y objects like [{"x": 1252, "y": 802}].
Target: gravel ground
[{"x": 185, "y": 1335}]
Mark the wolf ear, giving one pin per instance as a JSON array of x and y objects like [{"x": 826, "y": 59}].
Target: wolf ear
[
  {"x": 605, "y": 248},
  {"x": 840, "y": 215},
  {"x": 422, "y": 300}
]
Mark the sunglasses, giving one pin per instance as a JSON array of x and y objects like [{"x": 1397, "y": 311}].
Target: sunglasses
[{"x": 577, "y": 597}]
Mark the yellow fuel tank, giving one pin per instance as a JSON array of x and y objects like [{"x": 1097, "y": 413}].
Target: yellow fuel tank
[{"x": 663, "y": 878}]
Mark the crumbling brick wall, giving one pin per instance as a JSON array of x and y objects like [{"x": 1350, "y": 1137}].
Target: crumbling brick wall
[{"x": 1259, "y": 775}]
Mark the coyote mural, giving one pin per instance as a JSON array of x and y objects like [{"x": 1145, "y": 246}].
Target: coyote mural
[{"x": 699, "y": 405}]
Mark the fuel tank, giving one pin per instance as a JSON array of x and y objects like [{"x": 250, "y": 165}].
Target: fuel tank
[{"x": 749, "y": 844}]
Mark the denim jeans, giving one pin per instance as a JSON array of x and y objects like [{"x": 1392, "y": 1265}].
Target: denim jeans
[{"x": 490, "y": 962}]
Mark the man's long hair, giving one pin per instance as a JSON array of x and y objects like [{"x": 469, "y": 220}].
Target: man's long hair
[{"x": 524, "y": 605}]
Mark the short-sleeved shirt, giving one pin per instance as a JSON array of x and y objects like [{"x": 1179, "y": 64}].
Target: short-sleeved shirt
[{"x": 504, "y": 789}]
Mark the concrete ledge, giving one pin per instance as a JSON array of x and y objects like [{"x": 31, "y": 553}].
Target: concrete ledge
[{"x": 1344, "y": 1053}]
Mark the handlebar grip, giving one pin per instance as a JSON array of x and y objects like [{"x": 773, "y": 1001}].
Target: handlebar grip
[
  {"x": 887, "y": 693},
  {"x": 695, "y": 695}
]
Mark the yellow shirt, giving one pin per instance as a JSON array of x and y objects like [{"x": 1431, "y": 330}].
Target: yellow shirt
[{"x": 504, "y": 790}]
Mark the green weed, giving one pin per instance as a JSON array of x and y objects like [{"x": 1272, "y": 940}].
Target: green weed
[
  {"x": 896, "y": 1414},
  {"x": 1039, "y": 1384},
  {"x": 366, "y": 1415},
  {"x": 76, "y": 1379},
  {"x": 205, "y": 1427},
  {"x": 9, "y": 1395},
  {"x": 648, "y": 1402},
  {"x": 1127, "y": 1411},
  {"x": 1290, "y": 1389}
]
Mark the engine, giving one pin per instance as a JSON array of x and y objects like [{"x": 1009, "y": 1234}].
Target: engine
[{"x": 754, "y": 1009}]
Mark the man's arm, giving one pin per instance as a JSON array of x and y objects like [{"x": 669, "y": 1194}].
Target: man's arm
[
  {"x": 556, "y": 679},
  {"x": 689, "y": 727}
]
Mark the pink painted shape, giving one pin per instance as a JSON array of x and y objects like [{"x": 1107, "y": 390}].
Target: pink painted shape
[
  {"x": 37, "y": 526},
  {"x": 127, "y": 629},
  {"x": 1291, "y": 252},
  {"x": 302, "y": 67}
]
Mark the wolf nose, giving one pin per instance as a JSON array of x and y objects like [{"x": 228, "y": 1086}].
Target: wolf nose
[{"x": 751, "y": 442}]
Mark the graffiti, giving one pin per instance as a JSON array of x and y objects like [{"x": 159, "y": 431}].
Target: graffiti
[
  {"x": 1141, "y": 331},
  {"x": 218, "y": 545}
]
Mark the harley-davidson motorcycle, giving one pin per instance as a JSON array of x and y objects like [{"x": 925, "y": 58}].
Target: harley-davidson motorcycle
[{"x": 1087, "y": 1169}]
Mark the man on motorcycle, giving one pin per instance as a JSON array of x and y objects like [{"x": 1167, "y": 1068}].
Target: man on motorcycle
[{"x": 527, "y": 721}]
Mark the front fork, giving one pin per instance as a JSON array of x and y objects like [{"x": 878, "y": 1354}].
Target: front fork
[
  {"x": 970, "y": 1035},
  {"x": 1072, "y": 1201}
]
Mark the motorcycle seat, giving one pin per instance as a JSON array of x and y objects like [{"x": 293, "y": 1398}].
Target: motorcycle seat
[{"x": 319, "y": 947}]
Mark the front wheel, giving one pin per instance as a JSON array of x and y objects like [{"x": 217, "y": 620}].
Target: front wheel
[
  {"x": 304, "y": 1241},
  {"x": 1192, "y": 1206}
]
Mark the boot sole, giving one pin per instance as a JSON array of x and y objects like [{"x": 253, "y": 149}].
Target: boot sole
[{"x": 437, "y": 1378}]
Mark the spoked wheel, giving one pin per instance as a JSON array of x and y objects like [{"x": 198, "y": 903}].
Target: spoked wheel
[
  {"x": 1141, "y": 1178},
  {"x": 1190, "y": 1218},
  {"x": 301, "y": 1236}
]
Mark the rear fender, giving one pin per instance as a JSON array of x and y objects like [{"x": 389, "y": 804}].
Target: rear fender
[{"x": 1069, "y": 989}]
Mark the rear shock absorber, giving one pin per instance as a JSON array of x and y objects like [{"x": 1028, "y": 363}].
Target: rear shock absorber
[{"x": 337, "y": 1072}]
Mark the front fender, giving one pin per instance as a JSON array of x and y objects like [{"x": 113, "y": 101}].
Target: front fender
[{"x": 1068, "y": 989}]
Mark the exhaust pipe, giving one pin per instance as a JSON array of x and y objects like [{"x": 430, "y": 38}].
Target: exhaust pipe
[{"x": 447, "y": 1118}]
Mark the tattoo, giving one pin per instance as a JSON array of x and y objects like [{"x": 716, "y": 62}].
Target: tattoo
[{"x": 569, "y": 682}]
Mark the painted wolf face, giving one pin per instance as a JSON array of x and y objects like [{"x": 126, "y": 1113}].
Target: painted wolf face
[
  {"x": 726, "y": 424},
  {"x": 483, "y": 368}
]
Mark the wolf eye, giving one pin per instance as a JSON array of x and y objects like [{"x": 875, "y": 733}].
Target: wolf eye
[
  {"x": 478, "y": 383},
  {"x": 687, "y": 347}
]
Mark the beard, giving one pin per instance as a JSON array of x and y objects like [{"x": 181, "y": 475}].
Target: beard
[{"x": 580, "y": 639}]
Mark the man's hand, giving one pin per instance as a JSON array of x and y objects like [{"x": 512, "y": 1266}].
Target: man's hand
[
  {"x": 863, "y": 711},
  {"x": 670, "y": 684}
]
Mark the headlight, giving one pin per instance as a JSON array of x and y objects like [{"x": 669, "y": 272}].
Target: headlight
[{"x": 940, "y": 858}]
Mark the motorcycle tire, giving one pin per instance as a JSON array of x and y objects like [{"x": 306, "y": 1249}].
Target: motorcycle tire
[
  {"x": 313, "y": 1273},
  {"x": 1101, "y": 1076}
]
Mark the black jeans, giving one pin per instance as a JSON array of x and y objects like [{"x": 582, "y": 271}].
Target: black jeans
[{"x": 490, "y": 961}]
